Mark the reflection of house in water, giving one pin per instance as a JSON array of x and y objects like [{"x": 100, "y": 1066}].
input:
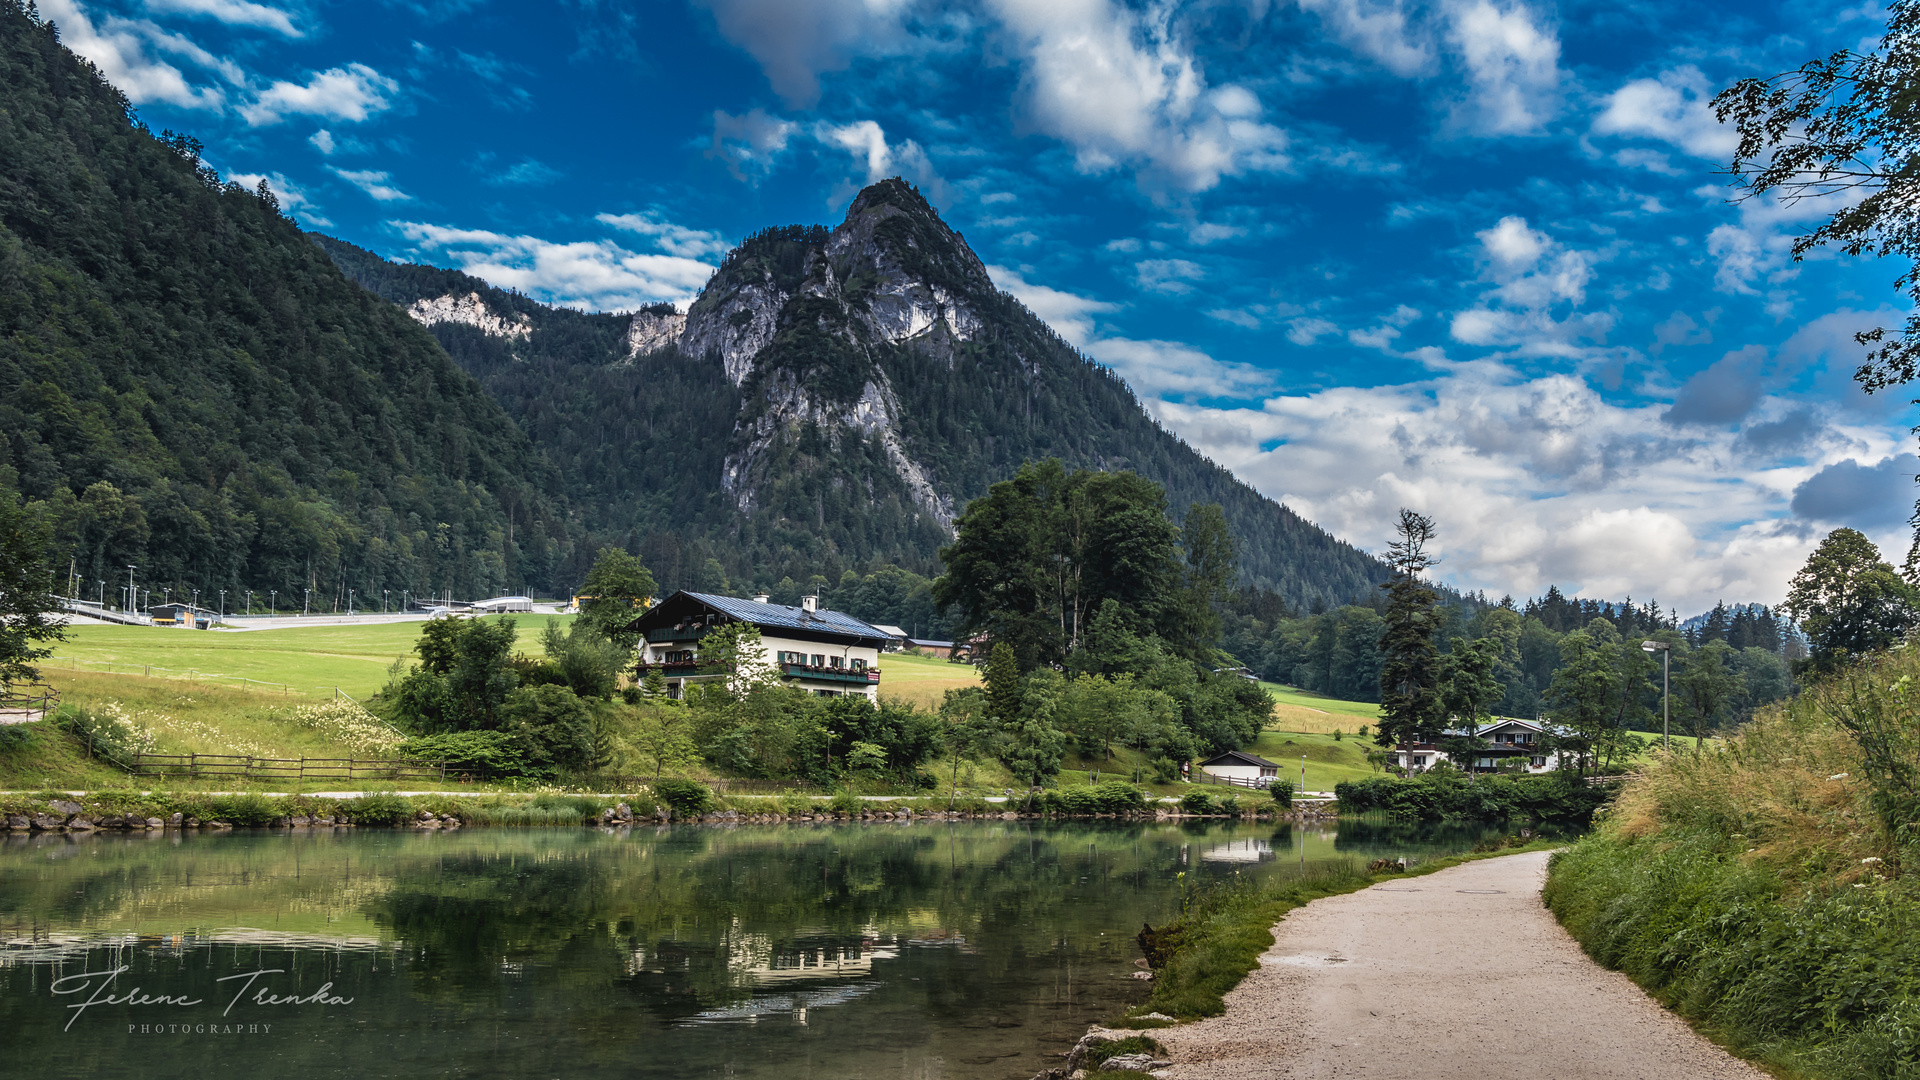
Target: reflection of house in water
[{"x": 1240, "y": 851}]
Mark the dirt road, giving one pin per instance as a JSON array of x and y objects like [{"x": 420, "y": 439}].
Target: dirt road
[{"x": 1460, "y": 974}]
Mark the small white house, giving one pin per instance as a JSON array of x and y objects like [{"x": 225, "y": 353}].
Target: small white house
[
  {"x": 1503, "y": 741},
  {"x": 1241, "y": 768}
]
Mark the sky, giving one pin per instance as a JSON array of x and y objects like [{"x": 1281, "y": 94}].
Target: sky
[{"x": 1473, "y": 257}]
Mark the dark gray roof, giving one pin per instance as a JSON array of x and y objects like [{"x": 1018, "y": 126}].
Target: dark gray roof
[
  {"x": 793, "y": 618},
  {"x": 1243, "y": 757}
]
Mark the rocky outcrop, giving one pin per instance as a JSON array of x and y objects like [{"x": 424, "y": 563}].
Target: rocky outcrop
[
  {"x": 651, "y": 331},
  {"x": 469, "y": 310}
]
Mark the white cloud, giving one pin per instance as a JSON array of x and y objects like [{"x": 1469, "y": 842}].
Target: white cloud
[
  {"x": 233, "y": 13},
  {"x": 322, "y": 141},
  {"x": 293, "y": 199},
  {"x": 1308, "y": 331},
  {"x": 1671, "y": 109},
  {"x": 796, "y": 41},
  {"x": 1121, "y": 88},
  {"x": 867, "y": 144},
  {"x": 749, "y": 144},
  {"x": 1153, "y": 368},
  {"x": 1531, "y": 274},
  {"x": 374, "y": 183},
  {"x": 1169, "y": 276},
  {"x": 352, "y": 93},
  {"x": 1380, "y": 31},
  {"x": 122, "y": 50},
  {"x": 672, "y": 239},
  {"x": 1512, "y": 67},
  {"x": 1070, "y": 314},
  {"x": 1538, "y": 481},
  {"x": 591, "y": 275}
]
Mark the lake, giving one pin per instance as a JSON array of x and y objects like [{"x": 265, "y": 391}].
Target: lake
[{"x": 937, "y": 950}]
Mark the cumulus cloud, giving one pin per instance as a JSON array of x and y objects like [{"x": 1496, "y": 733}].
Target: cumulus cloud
[
  {"x": 669, "y": 237},
  {"x": 796, "y": 41},
  {"x": 1876, "y": 496},
  {"x": 125, "y": 52},
  {"x": 866, "y": 143},
  {"x": 233, "y": 13},
  {"x": 1672, "y": 109},
  {"x": 748, "y": 144},
  {"x": 1121, "y": 87},
  {"x": 1380, "y": 31},
  {"x": 352, "y": 93},
  {"x": 1512, "y": 63},
  {"x": 1069, "y": 314},
  {"x": 1306, "y": 331},
  {"x": 590, "y": 275},
  {"x": 1725, "y": 392},
  {"x": 1531, "y": 274},
  {"x": 374, "y": 183},
  {"x": 1535, "y": 481}
]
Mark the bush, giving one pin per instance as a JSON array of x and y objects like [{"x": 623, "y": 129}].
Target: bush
[
  {"x": 1197, "y": 802},
  {"x": 251, "y": 810},
  {"x": 685, "y": 796},
  {"x": 1282, "y": 792},
  {"x": 1230, "y": 806},
  {"x": 378, "y": 808},
  {"x": 1165, "y": 770},
  {"x": 488, "y": 753},
  {"x": 1555, "y": 797}
]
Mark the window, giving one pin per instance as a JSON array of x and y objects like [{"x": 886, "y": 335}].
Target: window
[
  {"x": 1419, "y": 760},
  {"x": 836, "y": 661},
  {"x": 1539, "y": 762},
  {"x": 819, "y": 660},
  {"x": 859, "y": 663}
]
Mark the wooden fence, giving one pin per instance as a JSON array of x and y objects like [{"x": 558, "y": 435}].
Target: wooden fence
[
  {"x": 243, "y": 767},
  {"x": 22, "y": 705}
]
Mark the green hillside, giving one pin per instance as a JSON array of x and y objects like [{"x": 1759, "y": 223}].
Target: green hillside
[{"x": 189, "y": 386}]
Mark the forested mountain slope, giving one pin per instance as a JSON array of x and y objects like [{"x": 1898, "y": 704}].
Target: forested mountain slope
[
  {"x": 830, "y": 401},
  {"x": 189, "y": 386}
]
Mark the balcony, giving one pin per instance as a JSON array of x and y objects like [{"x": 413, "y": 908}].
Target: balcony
[
  {"x": 681, "y": 669},
  {"x": 675, "y": 633},
  {"x": 830, "y": 674}
]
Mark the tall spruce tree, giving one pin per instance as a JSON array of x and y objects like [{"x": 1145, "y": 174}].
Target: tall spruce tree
[{"x": 1411, "y": 706}]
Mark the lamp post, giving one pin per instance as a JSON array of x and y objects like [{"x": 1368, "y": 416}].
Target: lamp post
[
  {"x": 1665, "y": 650},
  {"x": 273, "y": 602},
  {"x": 383, "y": 601},
  {"x": 223, "y": 605},
  {"x": 350, "y": 610},
  {"x": 130, "y": 594},
  {"x": 103, "y": 593},
  {"x": 306, "y": 603}
]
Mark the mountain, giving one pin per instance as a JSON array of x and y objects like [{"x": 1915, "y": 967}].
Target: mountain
[
  {"x": 190, "y": 387},
  {"x": 832, "y": 399}
]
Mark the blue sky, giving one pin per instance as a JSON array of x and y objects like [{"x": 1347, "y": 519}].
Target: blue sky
[{"x": 1469, "y": 256}]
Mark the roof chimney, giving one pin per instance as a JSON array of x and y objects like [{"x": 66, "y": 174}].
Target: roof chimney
[
  {"x": 760, "y": 598},
  {"x": 810, "y": 604}
]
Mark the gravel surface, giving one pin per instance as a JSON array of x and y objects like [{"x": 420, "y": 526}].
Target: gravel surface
[{"x": 1459, "y": 974}]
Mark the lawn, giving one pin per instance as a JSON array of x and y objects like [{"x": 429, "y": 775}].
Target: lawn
[
  {"x": 922, "y": 680},
  {"x": 313, "y": 661},
  {"x": 1302, "y": 710}
]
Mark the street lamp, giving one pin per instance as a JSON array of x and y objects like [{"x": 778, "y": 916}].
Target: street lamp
[
  {"x": 223, "y": 605},
  {"x": 350, "y": 610},
  {"x": 103, "y": 593},
  {"x": 1666, "y": 657},
  {"x": 131, "y": 598},
  {"x": 273, "y": 602},
  {"x": 383, "y": 601},
  {"x": 307, "y": 603}
]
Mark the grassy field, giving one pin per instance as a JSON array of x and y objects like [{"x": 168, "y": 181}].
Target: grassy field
[
  {"x": 922, "y": 680},
  {"x": 308, "y": 660},
  {"x": 1304, "y": 711}
]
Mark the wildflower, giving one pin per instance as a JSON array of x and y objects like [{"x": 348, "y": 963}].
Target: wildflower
[
  {"x": 1838, "y": 776},
  {"x": 1870, "y": 859}
]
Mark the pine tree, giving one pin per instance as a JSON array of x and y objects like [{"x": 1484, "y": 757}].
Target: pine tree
[{"x": 1411, "y": 709}]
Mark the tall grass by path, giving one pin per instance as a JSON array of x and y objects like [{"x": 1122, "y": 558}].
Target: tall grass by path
[{"x": 1753, "y": 886}]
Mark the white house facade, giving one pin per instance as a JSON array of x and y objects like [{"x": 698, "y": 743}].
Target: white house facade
[
  {"x": 824, "y": 652},
  {"x": 1507, "y": 746},
  {"x": 1241, "y": 769}
]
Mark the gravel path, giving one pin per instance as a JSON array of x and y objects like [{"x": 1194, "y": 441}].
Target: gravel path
[{"x": 1460, "y": 974}]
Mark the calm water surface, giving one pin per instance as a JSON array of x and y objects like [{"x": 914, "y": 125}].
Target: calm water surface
[{"x": 942, "y": 950}]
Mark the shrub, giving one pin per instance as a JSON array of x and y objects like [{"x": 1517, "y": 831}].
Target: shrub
[
  {"x": 378, "y": 808},
  {"x": 845, "y": 802},
  {"x": 1282, "y": 792},
  {"x": 488, "y": 753},
  {"x": 1230, "y": 806},
  {"x": 251, "y": 809},
  {"x": 685, "y": 796},
  {"x": 346, "y": 722},
  {"x": 1197, "y": 802},
  {"x": 1165, "y": 770}
]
